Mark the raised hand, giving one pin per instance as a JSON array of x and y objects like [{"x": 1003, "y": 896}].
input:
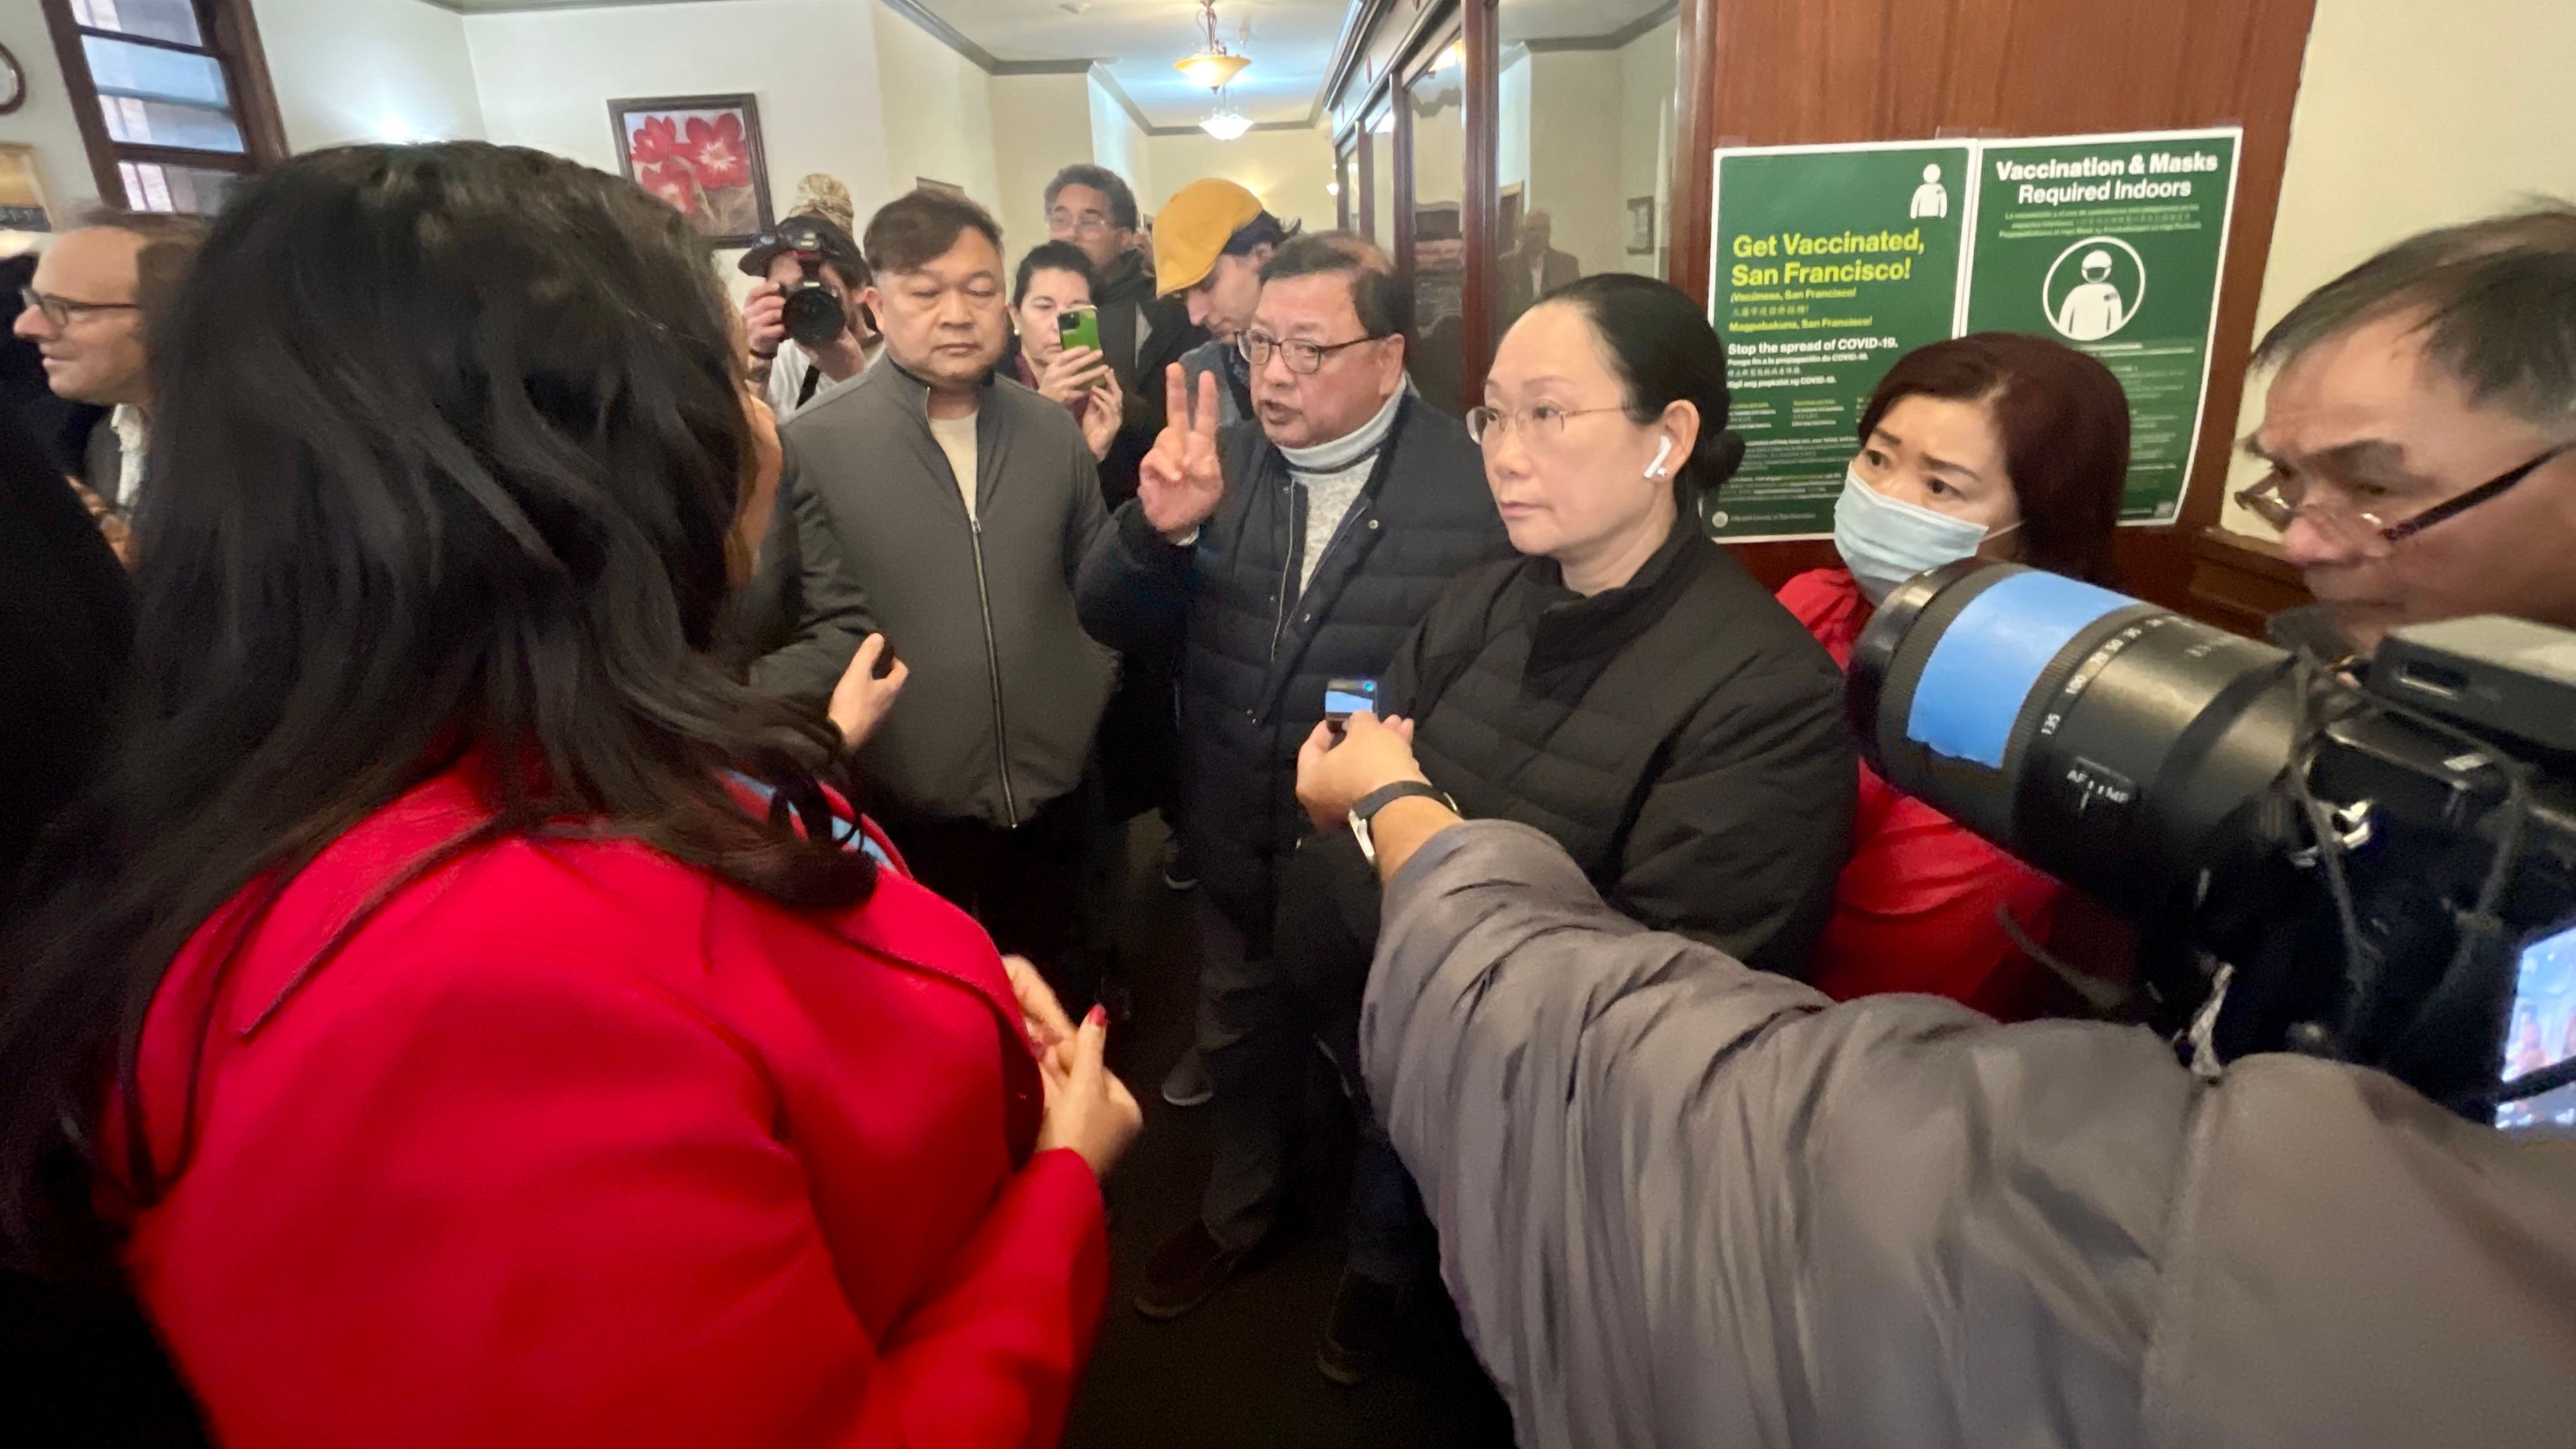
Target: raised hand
[
  {"x": 1101, "y": 415},
  {"x": 860, "y": 701},
  {"x": 1071, "y": 374},
  {"x": 1087, "y": 1108},
  {"x": 1180, "y": 482},
  {"x": 764, "y": 320},
  {"x": 1333, "y": 775},
  {"x": 1041, "y": 1015}
]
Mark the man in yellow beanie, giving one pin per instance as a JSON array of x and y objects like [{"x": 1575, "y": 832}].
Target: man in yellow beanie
[{"x": 1210, "y": 242}]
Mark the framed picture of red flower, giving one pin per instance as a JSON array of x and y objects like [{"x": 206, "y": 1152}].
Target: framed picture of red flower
[{"x": 702, "y": 155}]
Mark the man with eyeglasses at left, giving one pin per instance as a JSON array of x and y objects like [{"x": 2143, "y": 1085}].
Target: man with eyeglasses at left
[
  {"x": 87, "y": 310},
  {"x": 2421, "y": 432},
  {"x": 1287, "y": 554}
]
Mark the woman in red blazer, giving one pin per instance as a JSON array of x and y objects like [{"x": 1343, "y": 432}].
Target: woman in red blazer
[
  {"x": 444, "y": 1042},
  {"x": 1998, "y": 445}
]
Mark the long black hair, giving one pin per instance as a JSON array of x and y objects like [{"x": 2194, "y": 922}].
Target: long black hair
[
  {"x": 1663, "y": 350},
  {"x": 448, "y": 461}
]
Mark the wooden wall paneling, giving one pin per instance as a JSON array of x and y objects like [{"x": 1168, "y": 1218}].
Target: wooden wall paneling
[
  {"x": 1783, "y": 71},
  {"x": 1400, "y": 99},
  {"x": 1694, "y": 139},
  {"x": 1367, "y": 156},
  {"x": 1480, "y": 219}
]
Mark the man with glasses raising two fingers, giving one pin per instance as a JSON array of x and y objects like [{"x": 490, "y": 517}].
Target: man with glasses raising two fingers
[
  {"x": 2422, "y": 434},
  {"x": 1285, "y": 553}
]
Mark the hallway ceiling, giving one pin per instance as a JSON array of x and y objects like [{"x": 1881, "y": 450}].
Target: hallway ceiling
[{"x": 1291, "y": 42}]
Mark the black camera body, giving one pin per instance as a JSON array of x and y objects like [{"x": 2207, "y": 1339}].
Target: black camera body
[
  {"x": 2360, "y": 870},
  {"x": 814, "y": 315}
]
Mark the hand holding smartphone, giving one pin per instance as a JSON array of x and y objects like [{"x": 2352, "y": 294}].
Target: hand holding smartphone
[
  {"x": 1079, "y": 327},
  {"x": 1346, "y": 697}
]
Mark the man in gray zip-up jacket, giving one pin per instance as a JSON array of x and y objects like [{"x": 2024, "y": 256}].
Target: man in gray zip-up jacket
[{"x": 978, "y": 770}]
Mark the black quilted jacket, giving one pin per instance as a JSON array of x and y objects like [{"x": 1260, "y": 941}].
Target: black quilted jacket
[
  {"x": 1682, "y": 737},
  {"x": 1257, "y": 652}
]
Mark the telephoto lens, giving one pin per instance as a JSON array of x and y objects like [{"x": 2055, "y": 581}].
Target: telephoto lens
[{"x": 2116, "y": 745}]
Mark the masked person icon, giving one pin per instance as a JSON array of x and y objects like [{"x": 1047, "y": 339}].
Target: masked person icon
[{"x": 2094, "y": 309}]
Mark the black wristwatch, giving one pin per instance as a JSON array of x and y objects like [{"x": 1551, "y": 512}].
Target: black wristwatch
[{"x": 1365, "y": 809}]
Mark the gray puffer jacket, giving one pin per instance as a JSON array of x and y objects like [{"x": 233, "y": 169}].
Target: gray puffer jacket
[{"x": 1683, "y": 1203}]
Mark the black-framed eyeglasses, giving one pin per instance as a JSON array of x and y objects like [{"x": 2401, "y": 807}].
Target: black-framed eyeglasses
[
  {"x": 61, "y": 310},
  {"x": 2278, "y": 501},
  {"x": 1303, "y": 357}
]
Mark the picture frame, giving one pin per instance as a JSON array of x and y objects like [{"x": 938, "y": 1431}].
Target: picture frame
[
  {"x": 1641, "y": 226},
  {"x": 701, "y": 154},
  {"x": 23, "y": 203}
]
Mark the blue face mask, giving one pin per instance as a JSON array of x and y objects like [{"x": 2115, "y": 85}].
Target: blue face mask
[{"x": 1885, "y": 541}]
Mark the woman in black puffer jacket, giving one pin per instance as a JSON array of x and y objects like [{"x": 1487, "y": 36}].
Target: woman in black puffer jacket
[{"x": 1624, "y": 685}]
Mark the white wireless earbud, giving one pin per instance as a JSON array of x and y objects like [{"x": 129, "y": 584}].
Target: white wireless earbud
[{"x": 1663, "y": 450}]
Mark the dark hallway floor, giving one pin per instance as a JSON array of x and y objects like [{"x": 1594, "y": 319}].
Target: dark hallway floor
[{"x": 1239, "y": 1373}]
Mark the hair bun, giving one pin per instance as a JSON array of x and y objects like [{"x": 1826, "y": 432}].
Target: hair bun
[{"x": 1717, "y": 457}]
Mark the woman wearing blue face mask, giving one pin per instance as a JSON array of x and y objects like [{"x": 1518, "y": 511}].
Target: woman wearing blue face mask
[{"x": 1994, "y": 445}]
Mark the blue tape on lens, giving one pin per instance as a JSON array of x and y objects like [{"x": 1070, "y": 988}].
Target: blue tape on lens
[{"x": 1981, "y": 671}]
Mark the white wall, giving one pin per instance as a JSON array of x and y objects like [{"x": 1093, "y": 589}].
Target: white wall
[
  {"x": 1041, "y": 124},
  {"x": 46, "y": 121},
  {"x": 1288, "y": 170},
  {"x": 1574, "y": 173},
  {"x": 1512, "y": 114},
  {"x": 1647, "y": 71},
  {"x": 545, "y": 78},
  {"x": 2411, "y": 116},
  {"x": 937, "y": 108},
  {"x": 1118, "y": 143},
  {"x": 369, "y": 70}
]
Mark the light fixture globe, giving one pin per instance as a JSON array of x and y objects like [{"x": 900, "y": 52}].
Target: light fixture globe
[
  {"x": 1212, "y": 68},
  {"x": 1225, "y": 123}
]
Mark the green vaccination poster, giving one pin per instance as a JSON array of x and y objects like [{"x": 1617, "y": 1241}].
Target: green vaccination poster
[
  {"x": 1830, "y": 262},
  {"x": 2113, "y": 245}
]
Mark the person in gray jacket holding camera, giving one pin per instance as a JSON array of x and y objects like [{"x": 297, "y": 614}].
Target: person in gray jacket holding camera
[{"x": 932, "y": 509}]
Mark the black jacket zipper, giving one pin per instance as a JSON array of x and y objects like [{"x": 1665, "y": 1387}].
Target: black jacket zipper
[{"x": 1295, "y": 544}]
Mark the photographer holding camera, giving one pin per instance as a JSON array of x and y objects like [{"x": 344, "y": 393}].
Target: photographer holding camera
[
  {"x": 1683, "y": 1202},
  {"x": 809, "y": 333}
]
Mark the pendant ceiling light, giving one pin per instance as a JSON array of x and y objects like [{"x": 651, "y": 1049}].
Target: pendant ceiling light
[
  {"x": 1225, "y": 122},
  {"x": 1214, "y": 66}
]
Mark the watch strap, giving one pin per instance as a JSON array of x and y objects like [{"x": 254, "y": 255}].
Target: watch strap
[{"x": 1367, "y": 806}]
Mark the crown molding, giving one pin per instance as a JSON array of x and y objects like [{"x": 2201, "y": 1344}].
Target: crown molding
[
  {"x": 945, "y": 33},
  {"x": 1118, "y": 93},
  {"x": 1255, "y": 126},
  {"x": 1619, "y": 39}
]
